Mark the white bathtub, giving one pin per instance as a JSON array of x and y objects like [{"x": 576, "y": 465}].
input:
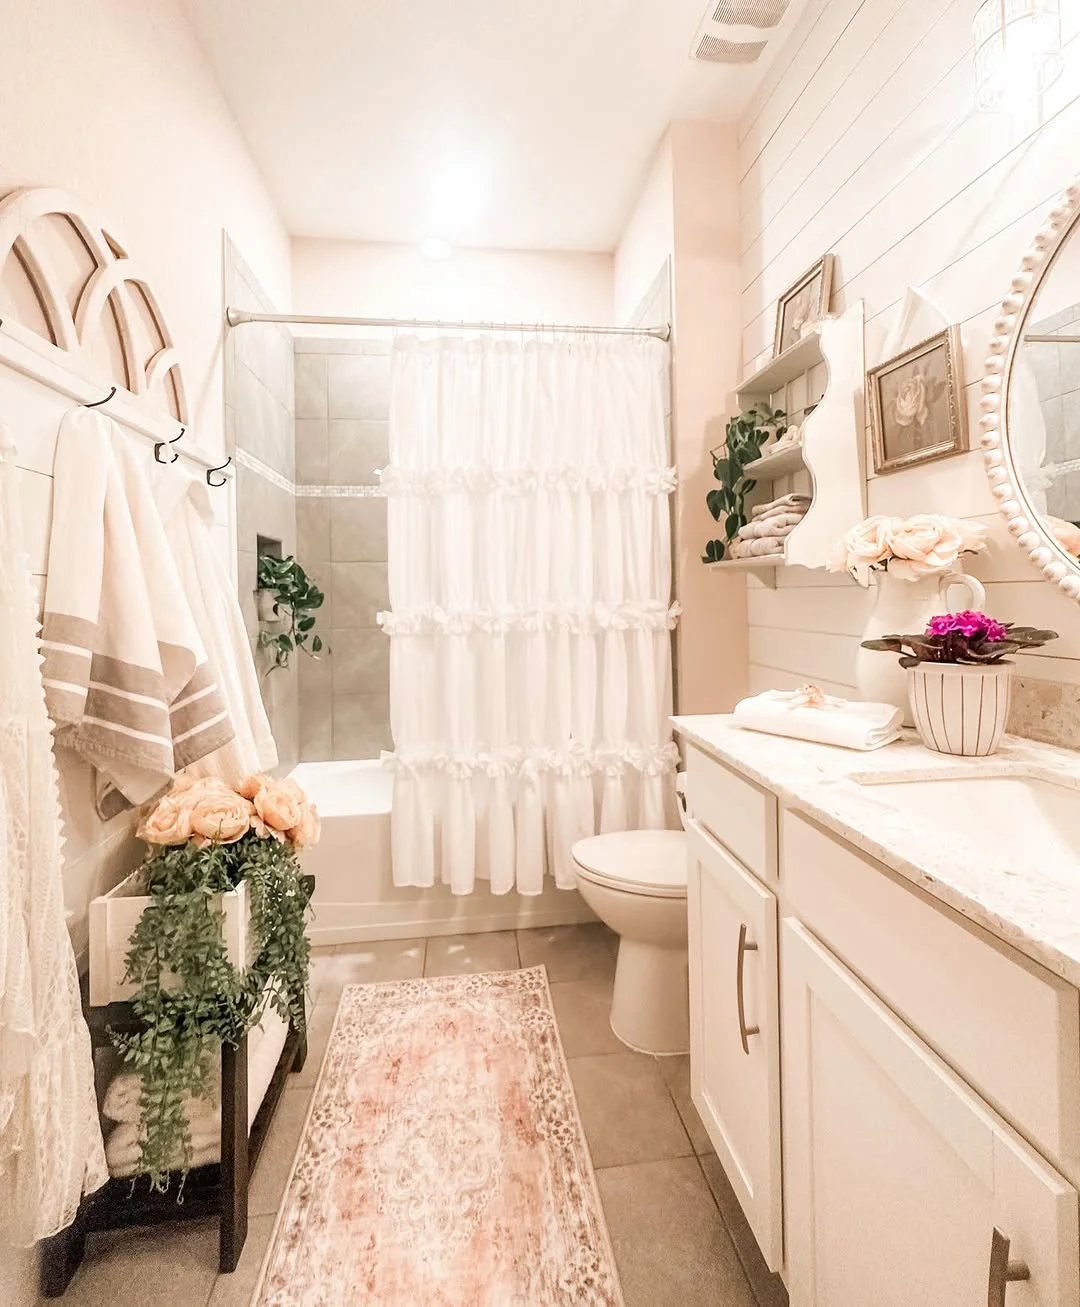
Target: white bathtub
[{"x": 355, "y": 896}]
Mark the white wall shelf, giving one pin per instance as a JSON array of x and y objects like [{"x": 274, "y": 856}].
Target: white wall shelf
[
  {"x": 776, "y": 463},
  {"x": 796, "y": 360},
  {"x": 832, "y": 449}
]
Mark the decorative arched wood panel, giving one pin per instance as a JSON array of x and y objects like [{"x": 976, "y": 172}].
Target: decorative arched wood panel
[{"x": 66, "y": 281}]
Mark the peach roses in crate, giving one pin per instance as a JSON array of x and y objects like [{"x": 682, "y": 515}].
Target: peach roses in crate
[
  {"x": 909, "y": 547},
  {"x": 210, "y": 811}
]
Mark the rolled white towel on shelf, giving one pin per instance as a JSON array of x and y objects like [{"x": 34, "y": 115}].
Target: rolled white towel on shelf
[
  {"x": 762, "y": 547},
  {"x": 121, "y": 1102},
  {"x": 123, "y": 1147},
  {"x": 776, "y": 524},
  {"x": 809, "y": 714},
  {"x": 785, "y": 504}
]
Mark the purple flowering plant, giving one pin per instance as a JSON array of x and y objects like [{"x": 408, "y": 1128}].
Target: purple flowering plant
[{"x": 962, "y": 638}]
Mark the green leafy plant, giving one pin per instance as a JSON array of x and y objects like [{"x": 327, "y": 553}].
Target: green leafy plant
[
  {"x": 190, "y": 997},
  {"x": 297, "y": 598},
  {"x": 745, "y": 435}
]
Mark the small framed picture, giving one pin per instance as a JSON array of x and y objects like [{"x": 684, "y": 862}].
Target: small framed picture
[
  {"x": 803, "y": 304},
  {"x": 917, "y": 410}
]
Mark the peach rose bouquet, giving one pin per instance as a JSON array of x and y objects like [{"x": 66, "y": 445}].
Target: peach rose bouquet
[
  {"x": 209, "y": 811},
  {"x": 909, "y": 548}
]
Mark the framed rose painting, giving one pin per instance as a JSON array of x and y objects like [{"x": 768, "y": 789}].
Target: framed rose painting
[
  {"x": 803, "y": 305},
  {"x": 917, "y": 410}
]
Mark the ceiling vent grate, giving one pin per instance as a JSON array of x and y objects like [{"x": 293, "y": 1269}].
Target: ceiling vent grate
[
  {"x": 750, "y": 13},
  {"x": 717, "y": 50}
]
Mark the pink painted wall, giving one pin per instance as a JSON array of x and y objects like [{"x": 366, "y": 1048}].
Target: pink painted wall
[
  {"x": 363, "y": 279},
  {"x": 114, "y": 102},
  {"x": 687, "y": 215}
]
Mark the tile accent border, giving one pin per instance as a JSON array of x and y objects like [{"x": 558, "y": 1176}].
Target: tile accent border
[
  {"x": 1048, "y": 711},
  {"x": 256, "y": 465}
]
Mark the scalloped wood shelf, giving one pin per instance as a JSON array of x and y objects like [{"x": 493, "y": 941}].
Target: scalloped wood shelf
[
  {"x": 776, "y": 463},
  {"x": 795, "y": 360}
]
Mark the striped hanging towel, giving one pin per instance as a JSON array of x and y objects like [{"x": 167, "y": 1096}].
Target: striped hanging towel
[{"x": 126, "y": 679}]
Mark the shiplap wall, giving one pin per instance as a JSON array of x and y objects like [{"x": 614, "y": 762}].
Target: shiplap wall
[{"x": 863, "y": 140}]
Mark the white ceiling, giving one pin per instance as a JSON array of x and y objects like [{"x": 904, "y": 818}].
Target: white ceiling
[{"x": 388, "y": 120}]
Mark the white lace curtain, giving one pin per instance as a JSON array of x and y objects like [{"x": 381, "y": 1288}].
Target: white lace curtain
[{"x": 530, "y": 592}]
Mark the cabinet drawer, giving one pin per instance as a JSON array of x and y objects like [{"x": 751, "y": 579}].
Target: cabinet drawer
[
  {"x": 741, "y": 816},
  {"x": 1010, "y": 1028}
]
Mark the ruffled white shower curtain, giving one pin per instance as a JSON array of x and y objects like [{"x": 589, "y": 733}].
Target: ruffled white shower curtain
[{"x": 530, "y": 592}]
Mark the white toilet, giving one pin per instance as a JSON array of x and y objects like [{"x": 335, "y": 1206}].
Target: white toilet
[{"x": 635, "y": 882}]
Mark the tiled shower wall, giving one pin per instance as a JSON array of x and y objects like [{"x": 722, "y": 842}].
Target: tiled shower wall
[
  {"x": 259, "y": 432},
  {"x": 342, "y": 420}
]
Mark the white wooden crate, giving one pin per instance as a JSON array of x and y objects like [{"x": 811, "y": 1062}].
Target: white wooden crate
[{"x": 114, "y": 916}]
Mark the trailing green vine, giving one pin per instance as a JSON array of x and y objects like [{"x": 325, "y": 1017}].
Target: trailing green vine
[
  {"x": 297, "y": 598},
  {"x": 746, "y": 433},
  {"x": 190, "y": 998}
]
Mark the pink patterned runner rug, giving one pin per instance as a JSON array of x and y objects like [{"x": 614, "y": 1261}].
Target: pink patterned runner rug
[{"x": 443, "y": 1163}]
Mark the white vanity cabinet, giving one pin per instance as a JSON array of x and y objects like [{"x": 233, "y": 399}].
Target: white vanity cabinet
[
  {"x": 902, "y": 1186},
  {"x": 735, "y": 1029},
  {"x": 893, "y": 1094}
]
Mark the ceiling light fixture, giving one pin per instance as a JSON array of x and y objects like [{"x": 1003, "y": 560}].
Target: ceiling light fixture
[
  {"x": 436, "y": 248},
  {"x": 1017, "y": 52},
  {"x": 461, "y": 188}
]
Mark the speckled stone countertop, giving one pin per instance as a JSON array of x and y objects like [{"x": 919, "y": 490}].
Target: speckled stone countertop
[{"x": 1030, "y": 900}]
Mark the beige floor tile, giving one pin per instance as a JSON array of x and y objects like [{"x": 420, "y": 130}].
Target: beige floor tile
[
  {"x": 235, "y": 1290},
  {"x": 768, "y": 1289},
  {"x": 458, "y": 955},
  {"x": 570, "y": 952},
  {"x": 360, "y": 964},
  {"x": 275, "y": 1161},
  {"x": 157, "y": 1266},
  {"x": 676, "y": 1073},
  {"x": 670, "y": 1245},
  {"x": 583, "y": 1011},
  {"x": 626, "y": 1110},
  {"x": 320, "y": 1022}
]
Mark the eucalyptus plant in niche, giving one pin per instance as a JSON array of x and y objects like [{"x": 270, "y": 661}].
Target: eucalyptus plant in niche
[
  {"x": 205, "y": 839},
  {"x": 746, "y": 433},
  {"x": 294, "y": 599}
]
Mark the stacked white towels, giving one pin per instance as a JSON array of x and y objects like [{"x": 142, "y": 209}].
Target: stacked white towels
[
  {"x": 769, "y": 526},
  {"x": 808, "y": 714},
  {"x": 123, "y": 1146}
]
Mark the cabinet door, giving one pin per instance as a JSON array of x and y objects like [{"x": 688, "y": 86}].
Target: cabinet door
[
  {"x": 735, "y": 1030},
  {"x": 896, "y": 1174}
]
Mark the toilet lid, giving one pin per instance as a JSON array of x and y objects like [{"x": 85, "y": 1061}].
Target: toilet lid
[{"x": 637, "y": 861}]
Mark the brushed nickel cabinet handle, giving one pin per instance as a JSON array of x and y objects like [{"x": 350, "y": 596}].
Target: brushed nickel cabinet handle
[
  {"x": 745, "y": 1031},
  {"x": 1002, "y": 1271}
]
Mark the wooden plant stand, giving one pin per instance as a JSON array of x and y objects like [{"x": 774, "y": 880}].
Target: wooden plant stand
[{"x": 219, "y": 1189}]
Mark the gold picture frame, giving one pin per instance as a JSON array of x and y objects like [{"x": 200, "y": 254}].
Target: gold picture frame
[
  {"x": 803, "y": 304},
  {"x": 917, "y": 408}
]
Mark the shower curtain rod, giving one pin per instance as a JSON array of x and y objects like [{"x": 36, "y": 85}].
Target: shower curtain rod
[{"x": 237, "y": 317}]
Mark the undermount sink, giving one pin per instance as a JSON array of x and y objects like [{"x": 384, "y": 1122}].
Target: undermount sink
[{"x": 1013, "y": 821}]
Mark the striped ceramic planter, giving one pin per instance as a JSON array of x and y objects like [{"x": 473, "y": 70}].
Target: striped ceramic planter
[{"x": 960, "y": 708}]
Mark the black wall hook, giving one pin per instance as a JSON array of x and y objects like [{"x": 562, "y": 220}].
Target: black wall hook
[
  {"x": 161, "y": 444},
  {"x": 98, "y": 402},
  {"x": 222, "y": 468}
]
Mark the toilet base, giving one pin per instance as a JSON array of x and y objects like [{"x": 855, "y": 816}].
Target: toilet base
[{"x": 650, "y": 1008}]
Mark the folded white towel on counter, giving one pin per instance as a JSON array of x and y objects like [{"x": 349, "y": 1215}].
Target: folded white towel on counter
[
  {"x": 808, "y": 714},
  {"x": 776, "y": 524},
  {"x": 763, "y": 547},
  {"x": 786, "y": 503}
]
